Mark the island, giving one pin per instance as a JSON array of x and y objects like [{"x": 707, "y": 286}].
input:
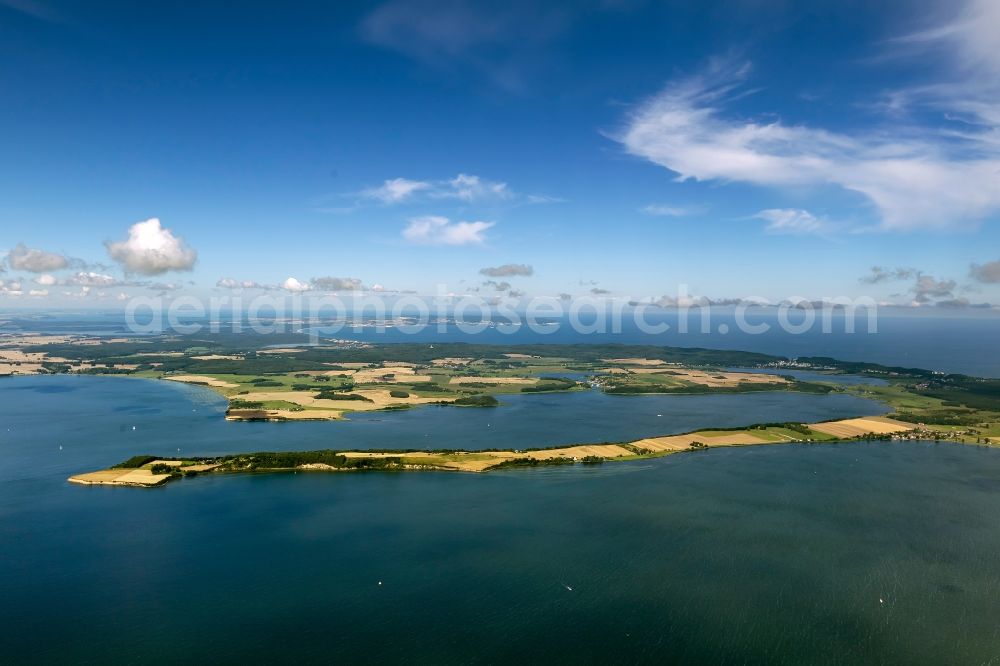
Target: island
[
  {"x": 291, "y": 379},
  {"x": 150, "y": 470}
]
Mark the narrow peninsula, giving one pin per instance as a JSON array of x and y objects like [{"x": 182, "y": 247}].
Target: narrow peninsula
[{"x": 294, "y": 379}]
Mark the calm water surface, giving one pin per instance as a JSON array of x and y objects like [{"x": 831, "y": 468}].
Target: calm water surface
[
  {"x": 874, "y": 553},
  {"x": 103, "y": 420}
]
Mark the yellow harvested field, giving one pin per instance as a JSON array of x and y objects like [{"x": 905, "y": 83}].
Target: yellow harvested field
[
  {"x": 20, "y": 368},
  {"x": 635, "y": 361},
  {"x": 521, "y": 356},
  {"x": 202, "y": 379},
  {"x": 202, "y": 467},
  {"x": 719, "y": 379},
  {"x": 94, "y": 342},
  {"x": 120, "y": 477},
  {"x": 478, "y": 461},
  {"x": 451, "y": 362},
  {"x": 303, "y": 398},
  {"x": 103, "y": 476},
  {"x": 18, "y": 356},
  {"x": 878, "y": 425},
  {"x": 493, "y": 380},
  {"x": 284, "y": 415},
  {"x": 322, "y": 409},
  {"x": 681, "y": 442},
  {"x": 390, "y": 374},
  {"x": 463, "y": 461},
  {"x": 218, "y": 357},
  {"x": 380, "y": 399},
  {"x": 602, "y": 450},
  {"x": 282, "y": 350},
  {"x": 91, "y": 342},
  {"x": 704, "y": 377},
  {"x": 17, "y": 362},
  {"x": 351, "y": 365}
]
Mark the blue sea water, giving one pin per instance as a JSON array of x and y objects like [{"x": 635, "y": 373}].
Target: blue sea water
[
  {"x": 100, "y": 421},
  {"x": 821, "y": 554},
  {"x": 813, "y": 376},
  {"x": 878, "y": 553}
]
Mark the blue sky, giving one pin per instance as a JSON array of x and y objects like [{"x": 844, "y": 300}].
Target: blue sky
[{"x": 743, "y": 148}]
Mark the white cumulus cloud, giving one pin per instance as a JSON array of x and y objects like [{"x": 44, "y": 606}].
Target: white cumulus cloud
[
  {"x": 33, "y": 260},
  {"x": 230, "y": 283},
  {"x": 293, "y": 285},
  {"x": 337, "y": 284},
  {"x": 90, "y": 279},
  {"x": 438, "y": 230},
  {"x": 152, "y": 249},
  {"x": 987, "y": 273},
  {"x": 508, "y": 270}
]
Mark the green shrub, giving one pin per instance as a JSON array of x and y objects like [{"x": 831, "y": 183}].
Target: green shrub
[
  {"x": 327, "y": 394},
  {"x": 266, "y": 382},
  {"x": 135, "y": 462},
  {"x": 550, "y": 384},
  {"x": 478, "y": 400},
  {"x": 245, "y": 404}
]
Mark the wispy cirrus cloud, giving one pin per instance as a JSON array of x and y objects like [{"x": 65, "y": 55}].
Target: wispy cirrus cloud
[
  {"x": 395, "y": 190},
  {"x": 463, "y": 187},
  {"x": 34, "y": 8},
  {"x": 497, "y": 41},
  {"x": 664, "y": 210},
  {"x": 915, "y": 176},
  {"x": 969, "y": 38},
  {"x": 792, "y": 221}
]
